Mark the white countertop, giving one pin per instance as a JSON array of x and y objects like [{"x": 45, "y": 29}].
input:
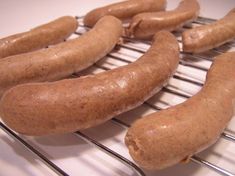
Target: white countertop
[{"x": 68, "y": 151}]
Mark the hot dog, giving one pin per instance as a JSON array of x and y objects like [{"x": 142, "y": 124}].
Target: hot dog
[
  {"x": 170, "y": 136},
  {"x": 75, "y": 104},
  {"x": 145, "y": 25},
  {"x": 39, "y": 37},
  {"x": 209, "y": 36},
  {"x": 63, "y": 59},
  {"x": 124, "y": 10}
]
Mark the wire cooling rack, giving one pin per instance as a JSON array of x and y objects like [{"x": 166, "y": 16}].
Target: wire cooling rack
[{"x": 187, "y": 80}]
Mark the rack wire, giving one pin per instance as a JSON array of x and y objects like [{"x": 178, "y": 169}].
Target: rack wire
[{"x": 130, "y": 45}]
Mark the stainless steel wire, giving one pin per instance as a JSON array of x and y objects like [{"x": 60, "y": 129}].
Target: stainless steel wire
[
  {"x": 209, "y": 165},
  {"x": 228, "y": 136},
  {"x": 33, "y": 150},
  {"x": 111, "y": 153}
]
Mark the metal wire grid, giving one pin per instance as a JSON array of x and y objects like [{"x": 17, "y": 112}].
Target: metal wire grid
[{"x": 130, "y": 45}]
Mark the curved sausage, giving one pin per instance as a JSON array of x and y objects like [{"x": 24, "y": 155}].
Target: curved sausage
[
  {"x": 145, "y": 25},
  {"x": 39, "y": 37},
  {"x": 75, "y": 104},
  {"x": 170, "y": 136},
  {"x": 209, "y": 36},
  {"x": 124, "y": 10},
  {"x": 61, "y": 60}
]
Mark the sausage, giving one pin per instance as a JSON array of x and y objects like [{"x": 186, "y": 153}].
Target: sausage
[
  {"x": 145, "y": 25},
  {"x": 209, "y": 36},
  {"x": 61, "y": 60},
  {"x": 124, "y": 10},
  {"x": 39, "y": 37},
  {"x": 170, "y": 136},
  {"x": 75, "y": 104}
]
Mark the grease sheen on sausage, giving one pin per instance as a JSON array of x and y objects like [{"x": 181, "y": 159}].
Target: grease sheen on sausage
[
  {"x": 124, "y": 10},
  {"x": 39, "y": 37},
  {"x": 61, "y": 60},
  {"x": 209, "y": 36},
  {"x": 145, "y": 25},
  {"x": 170, "y": 136},
  {"x": 75, "y": 104}
]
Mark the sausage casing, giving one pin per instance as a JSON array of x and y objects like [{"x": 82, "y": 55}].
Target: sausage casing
[
  {"x": 209, "y": 36},
  {"x": 124, "y": 10},
  {"x": 75, "y": 104},
  {"x": 145, "y": 25},
  {"x": 39, "y": 37},
  {"x": 61, "y": 60},
  {"x": 173, "y": 135}
]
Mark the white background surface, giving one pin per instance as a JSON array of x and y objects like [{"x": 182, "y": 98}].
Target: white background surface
[{"x": 68, "y": 151}]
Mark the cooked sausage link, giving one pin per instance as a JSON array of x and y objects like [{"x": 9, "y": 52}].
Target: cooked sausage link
[
  {"x": 145, "y": 25},
  {"x": 124, "y": 10},
  {"x": 170, "y": 136},
  {"x": 61, "y": 60},
  {"x": 209, "y": 36},
  {"x": 75, "y": 104},
  {"x": 39, "y": 37}
]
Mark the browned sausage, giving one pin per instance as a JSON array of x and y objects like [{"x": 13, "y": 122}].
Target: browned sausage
[
  {"x": 145, "y": 25},
  {"x": 124, "y": 10},
  {"x": 39, "y": 37},
  {"x": 209, "y": 36},
  {"x": 167, "y": 137},
  {"x": 75, "y": 104},
  {"x": 63, "y": 59}
]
